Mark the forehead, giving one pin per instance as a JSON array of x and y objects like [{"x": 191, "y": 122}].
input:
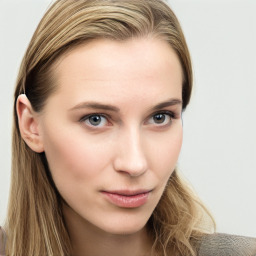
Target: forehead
[
  {"x": 106, "y": 53},
  {"x": 137, "y": 66}
]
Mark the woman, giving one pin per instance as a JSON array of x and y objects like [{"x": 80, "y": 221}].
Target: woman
[{"x": 97, "y": 134}]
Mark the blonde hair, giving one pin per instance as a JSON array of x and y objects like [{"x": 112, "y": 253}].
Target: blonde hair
[{"x": 35, "y": 224}]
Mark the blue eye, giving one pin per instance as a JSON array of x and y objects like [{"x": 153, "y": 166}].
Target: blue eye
[{"x": 96, "y": 120}]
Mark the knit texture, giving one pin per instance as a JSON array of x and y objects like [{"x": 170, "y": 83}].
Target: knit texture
[{"x": 227, "y": 245}]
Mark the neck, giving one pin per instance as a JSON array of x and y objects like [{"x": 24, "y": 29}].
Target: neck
[{"x": 89, "y": 240}]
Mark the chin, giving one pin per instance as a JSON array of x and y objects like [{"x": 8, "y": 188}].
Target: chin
[
  {"x": 124, "y": 226},
  {"x": 128, "y": 230}
]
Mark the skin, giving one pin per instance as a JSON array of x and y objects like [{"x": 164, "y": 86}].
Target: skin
[{"x": 134, "y": 146}]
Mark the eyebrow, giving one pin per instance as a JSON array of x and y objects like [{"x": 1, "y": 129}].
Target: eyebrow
[
  {"x": 170, "y": 102},
  {"x": 100, "y": 106},
  {"x": 95, "y": 105}
]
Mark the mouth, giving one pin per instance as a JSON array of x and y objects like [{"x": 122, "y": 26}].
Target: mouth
[{"x": 126, "y": 198}]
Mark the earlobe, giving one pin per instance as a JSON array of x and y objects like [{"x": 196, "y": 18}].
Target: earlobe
[{"x": 28, "y": 124}]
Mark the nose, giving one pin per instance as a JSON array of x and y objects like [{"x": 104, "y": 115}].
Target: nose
[{"x": 130, "y": 154}]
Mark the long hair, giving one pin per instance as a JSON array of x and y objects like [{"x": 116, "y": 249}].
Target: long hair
[{"x": 35, "y": 225}]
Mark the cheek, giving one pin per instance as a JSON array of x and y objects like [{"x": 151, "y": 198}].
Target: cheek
[
  {"x": 73, "y": 157},
  {"x": 165, "y": 153}
]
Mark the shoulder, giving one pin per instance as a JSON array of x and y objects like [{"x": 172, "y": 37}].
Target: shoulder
[
  {"x": 2, "y": 242},
  {"x": 219, "y": 244}
]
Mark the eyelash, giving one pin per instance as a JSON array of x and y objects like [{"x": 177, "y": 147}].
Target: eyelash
[
  {"x": 170, "y": 115},
  {"x": 86, "y": 118}
]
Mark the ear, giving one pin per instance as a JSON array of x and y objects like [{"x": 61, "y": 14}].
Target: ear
[{"x": 29, "y": 124}]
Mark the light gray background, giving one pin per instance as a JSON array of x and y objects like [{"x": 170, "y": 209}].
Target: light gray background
[{"x": 219, "y": 151}]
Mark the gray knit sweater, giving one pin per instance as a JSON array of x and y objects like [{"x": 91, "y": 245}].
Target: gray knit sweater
[
  {"x": 211, "y": 245},
  {"x": 227, "y": 245}
]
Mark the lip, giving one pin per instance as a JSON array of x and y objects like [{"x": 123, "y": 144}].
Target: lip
[{"x": 127, "y": 198}]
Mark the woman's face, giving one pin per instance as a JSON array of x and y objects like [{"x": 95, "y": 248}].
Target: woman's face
[{"x": 112, "y": 132}]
